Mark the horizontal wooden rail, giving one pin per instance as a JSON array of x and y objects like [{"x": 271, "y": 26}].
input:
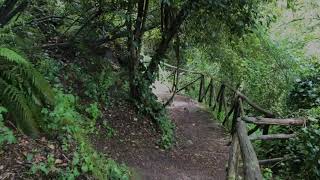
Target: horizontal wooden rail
[
  {"x": 272, "y": 137},
  {"x": 180, "y": 69},
  {"x": 272, "y": 121},
  {"x": 275, "y": 160},
  {"x": 251, "y": 103},
  {"x": 241, "y": 142},
  {"x": 189, "y": 84},
  {"x": 250, "y": 161},
  {"x": 245, "y": 98}
]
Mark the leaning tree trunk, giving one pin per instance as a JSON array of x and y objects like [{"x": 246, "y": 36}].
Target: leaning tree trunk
[
  {"x": 134, "y": 45},
  {"x": 173, "y": 29},
  {"x": 9, "y": 9}
]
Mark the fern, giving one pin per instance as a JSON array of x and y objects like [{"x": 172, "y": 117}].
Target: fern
[{"x": 23, "y": 90}]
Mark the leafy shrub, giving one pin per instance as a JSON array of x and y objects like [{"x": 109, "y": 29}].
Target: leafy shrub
[
  {"x": 23, "y": 90},
  {"x": 306, "y": 93},
  {"x": 150, "y": 106},
  {"x": 6, "y": 135},
  {"x": 72, "y": 126},
  {"x": 167, "y": 129},
  {"x": 305, "y": 149},
  {"x": 94, "y": 111}
]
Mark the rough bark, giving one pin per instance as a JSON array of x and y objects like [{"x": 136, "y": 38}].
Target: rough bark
[
  {"x": 250, "y": 161},
  {"x": 273, "y": 136},
  {"x": 9, "y": 9},
  {"x": 233, "y": 158},
  {"x": 166, "y": 39},
  {"x": 271, "y": 121}
]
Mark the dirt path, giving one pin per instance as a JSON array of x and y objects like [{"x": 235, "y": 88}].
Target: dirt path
[{"x": 200, "y": 152}]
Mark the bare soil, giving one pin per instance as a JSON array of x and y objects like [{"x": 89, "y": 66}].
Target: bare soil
[{"x": 200, "y": 151}]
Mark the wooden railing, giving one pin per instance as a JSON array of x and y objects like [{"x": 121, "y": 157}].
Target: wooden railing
[{"x": 229, "y": 106}]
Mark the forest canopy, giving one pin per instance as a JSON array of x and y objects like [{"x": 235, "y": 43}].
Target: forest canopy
[{"x": 66, "y": 67}]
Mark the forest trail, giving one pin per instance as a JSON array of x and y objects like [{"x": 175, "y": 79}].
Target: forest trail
[{"x": 200, "y": 152}]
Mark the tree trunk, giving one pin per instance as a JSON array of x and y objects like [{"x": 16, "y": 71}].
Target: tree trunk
[
  {"x": 166, "y": 39},
  {"x": 134, "y": 45},
  {"x": 9, "y": 9}
]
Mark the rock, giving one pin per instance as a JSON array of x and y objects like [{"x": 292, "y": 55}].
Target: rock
[
  {"x": 189, "y": 143},
  {"x": 58, "y": 161},
  {"x": 51, "y": 146}
]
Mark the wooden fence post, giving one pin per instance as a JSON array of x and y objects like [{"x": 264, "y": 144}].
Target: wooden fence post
[
  {"x": 202, "y": 86},
  {"x": 211, "y": 95},
  {"x": 250, "y": 161},
  {"x": 233, "y": 158},
  {"x": 221, "y": 99}
]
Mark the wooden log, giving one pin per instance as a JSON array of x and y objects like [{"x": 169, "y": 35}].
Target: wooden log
[
  {"x": 211, "y": 93},
  {"x": 228, "y": 115},
  {"x": 233, "y": 158},
  {"x": 251, "y": 103},
  {"x": 272, "y": 121},
  {"x": 217, "y": 98},
  {"x": 180, "y": 69},
  {"x": 236, "y": 115},
  {"x": 221, "y": 99},
  {"x": 201, "y": 89},
  {"x": 271, "y": 161},
  {"x": 256, "y": 106},
  {"x": 251, "y": 131},
  {"x": 206, "y": 92},
  {"x": 250, "y": 161},
  {"x": 241, "y": 107},
  {"x": 188, "y": 84},
  {"x": 272, "y": 137}
]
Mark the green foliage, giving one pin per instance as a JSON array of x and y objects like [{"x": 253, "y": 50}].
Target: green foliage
[
  {"x": 167, "y": 129},
  {"x": 306, "y": 91},
  {"x": 151, "y": 107},
  {"x": 94, "y": 111},
  {"x": 305, "y": 149},
  {"x": 6, "y": 135},
  {"x": 267, "y": 173},
  {"x": 23, "y": 90},
  {"x": 109, "y": 130},
  {"x": 46, "y": 168},
  {"x": 71, "y": 126}
]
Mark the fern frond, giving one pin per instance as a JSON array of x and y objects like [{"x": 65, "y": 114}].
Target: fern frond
[
  {"x": 11, "y": 56},
  {"x": 23, "y": 90},
  {"x": 39, "y": 84},
  {"x": 24, "y": 68},
  {"x": 16, "y": 102}
]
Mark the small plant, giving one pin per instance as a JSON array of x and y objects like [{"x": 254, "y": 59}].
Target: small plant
[
  {"x": 167, "y": 129},
  {"x": 267, "y": 173},
  {"x": 94, "y": 111},
  {"x": 110, "y": 132},
  {"x": 45, "y": 167},
  {"x": 66, "y": 121},
  {"x": 6, "y": 135}
]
